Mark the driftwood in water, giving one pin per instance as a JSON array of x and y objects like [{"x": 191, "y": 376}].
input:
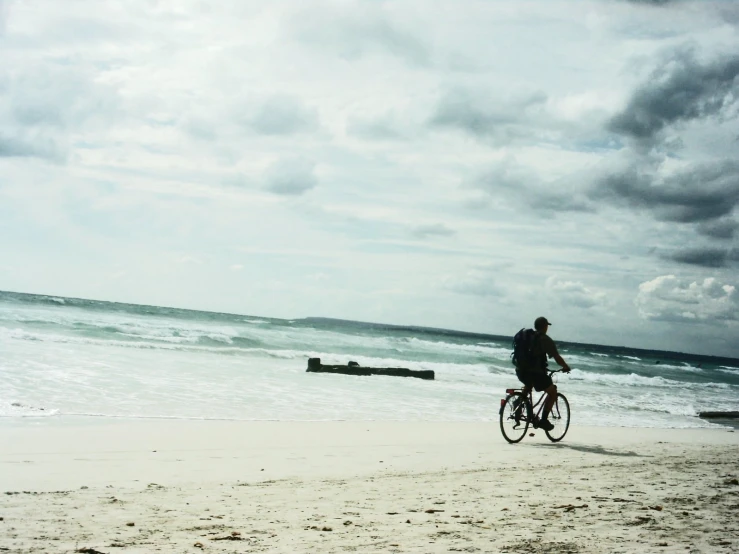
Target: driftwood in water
[
  {"x": 719, "y": 415},
  {"x": 353, "y": 368}
]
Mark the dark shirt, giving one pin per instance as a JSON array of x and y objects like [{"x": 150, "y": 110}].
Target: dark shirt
[{"x": 543, "y": 347}]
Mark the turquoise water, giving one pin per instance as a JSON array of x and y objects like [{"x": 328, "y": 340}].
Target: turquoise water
[{"x": 65, "y": 357}]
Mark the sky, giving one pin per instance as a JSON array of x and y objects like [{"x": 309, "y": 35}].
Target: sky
[{"x": 465, "y": 164}]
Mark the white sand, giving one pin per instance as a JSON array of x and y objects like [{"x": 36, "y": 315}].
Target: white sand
[{"x": 193, "y": 486}]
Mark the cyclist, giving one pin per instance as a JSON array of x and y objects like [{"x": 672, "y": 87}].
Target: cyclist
[{"x": 536, "y": 376}]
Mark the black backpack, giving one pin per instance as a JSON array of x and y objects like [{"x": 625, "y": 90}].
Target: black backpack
[{"x": 523, "y": 343}]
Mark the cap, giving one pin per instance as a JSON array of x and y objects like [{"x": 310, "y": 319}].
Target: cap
[{"x": 540, "y": 323}]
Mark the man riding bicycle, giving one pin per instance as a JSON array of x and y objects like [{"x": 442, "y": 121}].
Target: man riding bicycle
[{"x": 534, "y": 374}]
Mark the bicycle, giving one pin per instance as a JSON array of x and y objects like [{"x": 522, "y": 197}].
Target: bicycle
[{"x": 517, "y": 412}]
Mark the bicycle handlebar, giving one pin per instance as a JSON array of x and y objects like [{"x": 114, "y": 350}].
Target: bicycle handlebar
[{"x": 553, "y": 371}]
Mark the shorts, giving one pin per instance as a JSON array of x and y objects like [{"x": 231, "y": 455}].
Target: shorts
[{"x": 537, "y": 379}]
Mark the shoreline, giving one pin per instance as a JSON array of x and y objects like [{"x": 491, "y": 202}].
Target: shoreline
[{"x": 102, "y": 419}]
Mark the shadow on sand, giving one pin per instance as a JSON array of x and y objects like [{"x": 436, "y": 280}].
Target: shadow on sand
[{"x": 590, "y": 449}]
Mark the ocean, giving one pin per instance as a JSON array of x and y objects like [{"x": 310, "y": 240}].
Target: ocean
[{"x": 67, "y": 358}]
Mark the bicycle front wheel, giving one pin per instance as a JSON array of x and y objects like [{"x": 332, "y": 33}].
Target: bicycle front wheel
[
  {"x": 514, "y": 417},
  {"x": 560, "y": 418}
]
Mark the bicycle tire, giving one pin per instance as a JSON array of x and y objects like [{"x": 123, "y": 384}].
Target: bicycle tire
[
  {"x": 560, "y": 418},
  {"x": 514, "y": 427}
]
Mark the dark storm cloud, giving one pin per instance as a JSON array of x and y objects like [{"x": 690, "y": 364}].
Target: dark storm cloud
[
  {"x": 705, "y": 257},
  {"x": 682, "y": 89},
  {"x": 283, "y": 116},
  {"x": 702, "y": 193},
  {"x": 703, "y": 196},
  {"x": 291, "y": 177},
  {"x": 487, "y": 118},
  {"x": 720, "y": 229},
  {"x": 729, "y": 12}
]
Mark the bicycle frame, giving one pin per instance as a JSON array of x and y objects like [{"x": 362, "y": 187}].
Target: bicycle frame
[{"x": 539, "y": 403}]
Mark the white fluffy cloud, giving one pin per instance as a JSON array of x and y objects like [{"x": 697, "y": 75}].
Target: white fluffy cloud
[
  {"x": 574, "y": 293},
  {"x": 477, "y": 281},
  {"x": 672, "y": 299}
]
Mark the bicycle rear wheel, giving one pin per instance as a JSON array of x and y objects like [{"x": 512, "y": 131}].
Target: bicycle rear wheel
[
  {"x": 560, "y": 418},
  {"x": 515, "y": 414}
]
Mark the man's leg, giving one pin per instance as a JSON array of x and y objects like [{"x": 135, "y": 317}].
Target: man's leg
[
  {"x": 549, "y": 402},
  {"x": 527, "y": 385}
]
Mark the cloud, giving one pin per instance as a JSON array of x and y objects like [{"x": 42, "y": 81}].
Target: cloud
[
  {"x": 488, "y": 118},
  {"x": 4, "y": 10},
  {"x": 669, "y": 298},
  {"x": 719, "y": 229},
  {"x": 705, "y": 257},
  {"x": 283, "y": 115},
  {"x": 380, "y": 129},
  {"x": 554, "y": 201},
  {"x": 187, "y": 259},
  {"x": 475, "y": 282},
  {"x": 653, "y": 2},
  {"x": 360, "y": 30},
  {"x": 567, "y": 121},
  {"x": 574, "y": 293},
  {"x": 701, "y": 193},
  {"x": 521, "y": 185},
  {"x": 506, "y": 174},
  {"x": 675, "y": 179},
  {"x": 291, "y": 176},
  {"x": 32, "y": 145},
  {"x": 433, "y": 230},
  {"x": 225, "y": 122},
  {"x": 44, "y": 104},
  {"x": 681, "y": 89},
  {"x": 729, "y": 11}
]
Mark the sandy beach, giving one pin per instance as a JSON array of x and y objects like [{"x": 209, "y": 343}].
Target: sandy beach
[{"x": 197, "y": 486}]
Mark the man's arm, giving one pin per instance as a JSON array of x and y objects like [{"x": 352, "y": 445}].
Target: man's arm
[
  {"x": 560, "y": 361},
  {"x": 551, "y": 350}
]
